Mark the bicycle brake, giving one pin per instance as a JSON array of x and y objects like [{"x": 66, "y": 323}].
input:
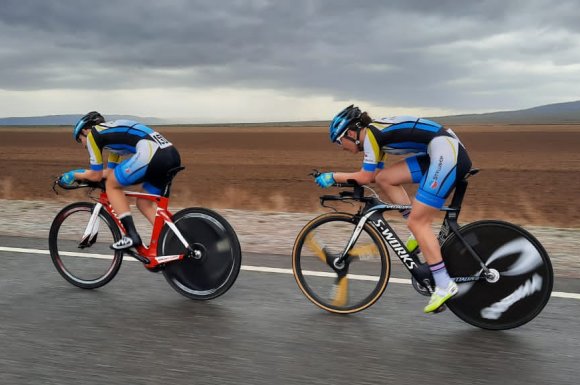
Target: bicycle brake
[{"x": 315, "y": 173}]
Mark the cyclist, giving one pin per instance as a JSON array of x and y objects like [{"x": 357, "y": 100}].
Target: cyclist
[
  {"x": 439, "y": 161},
  {"x": 137, "y": 154}
]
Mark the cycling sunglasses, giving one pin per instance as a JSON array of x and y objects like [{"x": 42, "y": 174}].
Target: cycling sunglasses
[{"x": 344, "y": 136}]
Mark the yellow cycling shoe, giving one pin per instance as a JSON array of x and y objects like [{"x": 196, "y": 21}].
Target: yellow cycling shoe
[{"x": 440, "y": 296}]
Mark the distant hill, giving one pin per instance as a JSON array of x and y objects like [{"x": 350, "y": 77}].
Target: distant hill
[
  {"x": 558, "y": 113},
  {"x": 68, "y": 120}
]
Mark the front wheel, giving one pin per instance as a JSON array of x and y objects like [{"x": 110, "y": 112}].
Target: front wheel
[
  {"x": 340, "y": 287},
  {"x": 79, "y": 241},
  {"x": 217, "y": 268},
  {"x": 522, "y": 278}
]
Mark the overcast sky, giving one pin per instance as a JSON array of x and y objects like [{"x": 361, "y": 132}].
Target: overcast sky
[{"x": 240, "y": 61}]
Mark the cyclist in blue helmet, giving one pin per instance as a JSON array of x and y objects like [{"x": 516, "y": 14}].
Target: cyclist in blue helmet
[
  {"x": 438, "y": 160},
  {"x": 137, "y": 154}
]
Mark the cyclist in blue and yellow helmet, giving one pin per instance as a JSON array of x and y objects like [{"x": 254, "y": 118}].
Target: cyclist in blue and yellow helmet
[
  {"x": 439, "y": 160},
  {"x": 343, "y": 121},
  {"x": 137, "y": 154},
  {"x": 89, "y": 120}
]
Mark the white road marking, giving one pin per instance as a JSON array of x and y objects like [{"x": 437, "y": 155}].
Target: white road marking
[{"x": 261, "y": 269}]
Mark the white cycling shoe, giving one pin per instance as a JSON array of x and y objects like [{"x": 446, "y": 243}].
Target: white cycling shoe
[{"x": 125, "y": 243}]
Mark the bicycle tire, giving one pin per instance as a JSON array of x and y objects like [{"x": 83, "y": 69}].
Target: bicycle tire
[
  {"x": 215, "y": 273},
  {"x": 525, "y": 275},
  {"x": 367, "y": 272},
  {"x": 64, "y": 242}
]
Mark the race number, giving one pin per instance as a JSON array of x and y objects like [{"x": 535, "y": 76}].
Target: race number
[{"x": 160, "y": 140}]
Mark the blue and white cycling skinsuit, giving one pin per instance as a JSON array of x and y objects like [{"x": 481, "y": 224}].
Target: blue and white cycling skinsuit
[
  {"x": 440, "y": 160},
  {"x": 152, "y": 156}
]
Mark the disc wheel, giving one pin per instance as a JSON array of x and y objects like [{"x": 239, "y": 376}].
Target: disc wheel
[
  {"x": 344, "y": 288},
  {"x": 218, "y": 255},
  {"x": 522, "y": 278},
  {"x": 84, "y": 261}
]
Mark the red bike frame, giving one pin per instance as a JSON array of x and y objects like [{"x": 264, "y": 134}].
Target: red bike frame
[{"x": 148, "y": 254}]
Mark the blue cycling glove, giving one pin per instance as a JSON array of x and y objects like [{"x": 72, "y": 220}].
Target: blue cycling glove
[
  {"x": 325, "y": 180},
  {"x": 68, "y": 178}
]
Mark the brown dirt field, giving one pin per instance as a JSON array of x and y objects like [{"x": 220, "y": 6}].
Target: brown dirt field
[{"x": 530, "y": 174}]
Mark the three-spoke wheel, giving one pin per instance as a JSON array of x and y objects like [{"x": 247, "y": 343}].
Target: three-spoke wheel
[{"x": 340, "y": 286}]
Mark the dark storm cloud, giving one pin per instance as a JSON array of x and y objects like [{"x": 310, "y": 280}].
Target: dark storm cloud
[{"x": 446, "y": 54}]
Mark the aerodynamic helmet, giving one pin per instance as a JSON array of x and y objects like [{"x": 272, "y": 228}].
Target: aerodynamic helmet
[
  {"x": 91, "y": 119},
  {"x": 344, "y": 121}
]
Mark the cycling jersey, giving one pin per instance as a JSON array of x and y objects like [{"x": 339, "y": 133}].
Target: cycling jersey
[
  {"x": 151, "y": 154},
  {"x": 440, "y": 157}
]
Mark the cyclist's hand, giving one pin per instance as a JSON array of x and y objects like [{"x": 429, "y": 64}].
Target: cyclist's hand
[
  {"x": 325, "y": 180},
  {"x": 68, "y": 178}
]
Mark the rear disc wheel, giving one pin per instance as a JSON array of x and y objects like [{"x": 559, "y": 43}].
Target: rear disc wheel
[
  {"x": 215, "y": 263},
  {"x": 520, "y": 282}
]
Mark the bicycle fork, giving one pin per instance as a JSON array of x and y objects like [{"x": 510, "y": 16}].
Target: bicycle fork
[{"x": 92, "y": 229}]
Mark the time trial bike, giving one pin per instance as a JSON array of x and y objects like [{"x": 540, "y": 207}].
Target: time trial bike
[
  {"x": 341, "y": 261},
  {"x": 196, "y": 249}
]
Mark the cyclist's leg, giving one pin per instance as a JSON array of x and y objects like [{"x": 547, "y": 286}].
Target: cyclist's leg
[
  {"x": 156, "y": 178},
  {"x": 148, "y": 208},
  {"x": 120, "y": 204},
  {"x": 435, "y": 186},
  {"x": 420, "y": 222},
  {"x": 129, "y": 172},
  {"x": 390, "y": 181},
  {"x": 116, "y": 195}
]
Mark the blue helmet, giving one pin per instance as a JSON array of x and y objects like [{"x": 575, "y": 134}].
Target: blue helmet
[
  {"x": 91, "y": 119},
  {"x": 344, "y": 121}
]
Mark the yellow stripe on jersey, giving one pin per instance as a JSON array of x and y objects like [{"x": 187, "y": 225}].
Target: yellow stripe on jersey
[
  {"x": 95, "y": 149},
  {"x": 375, "y": 145},
  {"x": 100, "y": 128}
]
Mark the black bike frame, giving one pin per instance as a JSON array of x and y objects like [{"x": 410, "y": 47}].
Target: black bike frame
[{"x": 372, "y": 213}]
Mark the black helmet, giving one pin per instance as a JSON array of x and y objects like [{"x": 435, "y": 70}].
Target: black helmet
[{"x": 91, "y": 119}]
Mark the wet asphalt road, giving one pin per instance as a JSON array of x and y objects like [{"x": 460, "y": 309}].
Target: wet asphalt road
[{"x": 137, "y": 330}]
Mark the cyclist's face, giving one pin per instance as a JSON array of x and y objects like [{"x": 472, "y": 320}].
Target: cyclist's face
[
  {"x": 83, "y": 138},
  {"x": 347, "y": 142}
]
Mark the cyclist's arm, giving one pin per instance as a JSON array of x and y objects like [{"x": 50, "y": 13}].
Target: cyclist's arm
[
  {"x": 362, "y": 176},
  {"x": 95, "y": 173},
  {"x": 373, "y": 162},
  {"x": 112, "y": 162},
  {"x": 91, "y": 175}
]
